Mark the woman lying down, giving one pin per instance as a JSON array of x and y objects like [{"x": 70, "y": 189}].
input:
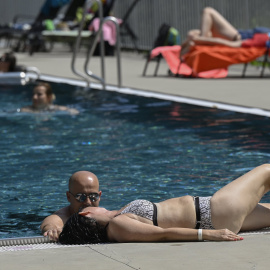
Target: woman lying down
[{"x": 232, "y": 209}]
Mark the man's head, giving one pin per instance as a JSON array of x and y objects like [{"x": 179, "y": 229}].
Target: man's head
[{"x": 83, "y": 191}]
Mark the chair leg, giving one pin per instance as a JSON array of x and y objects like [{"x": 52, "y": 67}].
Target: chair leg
[
  {"x": 157, "y": 66},
  {"x": 244, "y": 70},
  {"x": 132, "y": 36},
  {"x": 264, "y": 61},
  {"x": 145, "y": 66},
  {"x": 127, "y": 27},
  {"x": 178, "y": 68}
]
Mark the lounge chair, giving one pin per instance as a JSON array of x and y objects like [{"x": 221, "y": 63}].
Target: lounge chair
[
  {"x": 69, "y": 36},
  {"x": 27, "y": 31},
  {"x": 125, "y": 29},
  {"x": 213, "y": 61}
]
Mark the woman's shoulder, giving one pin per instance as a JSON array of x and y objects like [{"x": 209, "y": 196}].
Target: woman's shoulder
[
  {"x": 26, "y": 109},
  {"x": 64, "y": 108}
]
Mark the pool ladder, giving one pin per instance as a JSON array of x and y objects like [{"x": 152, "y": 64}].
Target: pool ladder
[{"x": 98, "y": 37}]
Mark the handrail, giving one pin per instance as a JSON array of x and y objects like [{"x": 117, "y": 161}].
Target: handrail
[
  {"x": 91, "y": 51},
  {"x": 87, "y": 5},
  {"x": 98, "y": 37}
]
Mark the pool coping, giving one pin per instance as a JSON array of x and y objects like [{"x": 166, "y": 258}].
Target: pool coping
[{"x": 152, "y": 94}]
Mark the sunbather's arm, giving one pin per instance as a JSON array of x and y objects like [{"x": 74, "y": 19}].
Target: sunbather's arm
[
  {"x": 212, "y": 41},
  {"x": 126, "y": 229}
]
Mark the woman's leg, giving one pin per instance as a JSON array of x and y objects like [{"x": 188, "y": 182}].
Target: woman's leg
[
  {"x": 237, "y": 202},
  {"x": 215, "y": 30},
  {"x": 257, "y": 219},
  {"x": 215, "y": 25}
]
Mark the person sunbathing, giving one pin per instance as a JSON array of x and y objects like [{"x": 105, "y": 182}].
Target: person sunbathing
[
  {"x": 232, "y": 209},
  {"x": 42, "y": 101},
  {"x": 216, "y": 30}
]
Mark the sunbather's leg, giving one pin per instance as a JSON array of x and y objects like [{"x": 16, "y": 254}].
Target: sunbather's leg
[
  {"x": 236, "y": 207},
  {"x": 207, "y": 41},
  {"x": 215, "y": 30},
  {"x": 215, "y": 25}
]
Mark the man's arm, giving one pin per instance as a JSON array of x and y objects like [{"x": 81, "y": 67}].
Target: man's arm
[{"x": 52, "y": 225}]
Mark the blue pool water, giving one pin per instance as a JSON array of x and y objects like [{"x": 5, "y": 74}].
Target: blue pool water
[{"x": 138, "y": 147}]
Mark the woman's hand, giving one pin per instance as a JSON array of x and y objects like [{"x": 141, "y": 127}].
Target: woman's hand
[{"x": 221, "y": 235}]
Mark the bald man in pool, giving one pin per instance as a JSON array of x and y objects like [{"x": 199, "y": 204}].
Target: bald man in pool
[{"x": 83, "y": 192}]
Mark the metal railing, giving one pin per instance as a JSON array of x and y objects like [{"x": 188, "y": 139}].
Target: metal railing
[{"x": 98, "y": 38}]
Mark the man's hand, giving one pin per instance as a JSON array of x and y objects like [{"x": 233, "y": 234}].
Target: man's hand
[{"x": 53, "y": 234}]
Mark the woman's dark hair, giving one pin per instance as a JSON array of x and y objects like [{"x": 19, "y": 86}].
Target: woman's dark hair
[
  {"x": 82, "y": 230},
  {"x": 11, "y": 59}
]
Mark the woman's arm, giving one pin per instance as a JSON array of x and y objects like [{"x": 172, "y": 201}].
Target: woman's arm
[{"x": 126, "y": 229}]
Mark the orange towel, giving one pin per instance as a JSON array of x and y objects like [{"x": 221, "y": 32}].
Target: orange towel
[
  {"x": 172, "y": 56},
  {"x": 204, "y": 58}
]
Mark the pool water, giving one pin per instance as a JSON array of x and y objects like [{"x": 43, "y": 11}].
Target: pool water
[{"x": 138, "y": 147}]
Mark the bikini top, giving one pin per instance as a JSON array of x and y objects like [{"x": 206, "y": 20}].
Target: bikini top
[{"x": 142, "y": 208}]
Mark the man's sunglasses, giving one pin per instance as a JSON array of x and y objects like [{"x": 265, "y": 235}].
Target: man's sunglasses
[{"x": 81, "y": 197}]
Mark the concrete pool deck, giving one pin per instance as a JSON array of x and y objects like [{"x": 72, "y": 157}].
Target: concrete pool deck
[{"x": 251, "y": 253}]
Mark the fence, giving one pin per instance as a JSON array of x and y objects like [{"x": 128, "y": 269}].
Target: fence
[
  {"x": 184, "y": 15},
  {"x": 148, "y": 15}
]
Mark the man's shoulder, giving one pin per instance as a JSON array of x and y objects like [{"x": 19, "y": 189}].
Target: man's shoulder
[{"x": 65, "y": 211}]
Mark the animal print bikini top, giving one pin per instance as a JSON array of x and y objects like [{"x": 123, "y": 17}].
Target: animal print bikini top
[{"x": 142, "y": 208}]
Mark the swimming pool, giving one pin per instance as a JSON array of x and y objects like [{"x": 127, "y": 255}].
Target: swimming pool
[{"x": 138, "y": 147}]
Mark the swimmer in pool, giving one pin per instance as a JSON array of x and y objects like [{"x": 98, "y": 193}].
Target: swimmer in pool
[
  {"x": 232, "y": 209},
  {"x": 83, "y": 191},
  {"x": 42, "y": 101}
]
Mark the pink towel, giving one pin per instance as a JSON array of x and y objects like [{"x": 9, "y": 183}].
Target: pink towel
[{"x": 109, "y": 30}]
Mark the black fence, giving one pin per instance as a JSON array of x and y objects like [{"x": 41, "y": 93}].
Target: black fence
[{"x": 147, "y": 15}]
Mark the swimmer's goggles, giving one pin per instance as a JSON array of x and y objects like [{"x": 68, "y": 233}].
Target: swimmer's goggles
[{"x": 81, "y": 197}]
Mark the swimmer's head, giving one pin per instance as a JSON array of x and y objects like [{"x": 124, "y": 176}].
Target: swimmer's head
[{"x": 42, "y": 96}]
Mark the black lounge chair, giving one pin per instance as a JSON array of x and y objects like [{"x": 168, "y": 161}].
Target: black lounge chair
[
  {"x": 26, "y": 30},
  {"x": 125, "y": 29}
]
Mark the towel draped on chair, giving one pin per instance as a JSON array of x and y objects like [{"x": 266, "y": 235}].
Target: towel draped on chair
[
  {"x": 212, "y": 61},
  {"x": 109, "y": 30},
  {"x": 172, "y": 56}
]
